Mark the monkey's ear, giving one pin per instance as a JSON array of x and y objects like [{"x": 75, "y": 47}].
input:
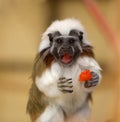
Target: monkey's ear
[
  {"x": 53, "y": 35},
  {"x": 77, "y": 33},
  {"x": 50, "y": 35},
  {"x": 80, "y": 35}
]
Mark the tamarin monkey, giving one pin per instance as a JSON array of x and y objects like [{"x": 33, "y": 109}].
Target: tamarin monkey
[{"x": 56, "y": 94}]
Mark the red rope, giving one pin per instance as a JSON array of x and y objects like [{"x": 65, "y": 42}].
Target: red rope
[{"x": 103, "y": 24}]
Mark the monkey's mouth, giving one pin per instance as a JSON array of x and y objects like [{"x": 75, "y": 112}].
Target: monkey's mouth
[{"x": 66, "y": 58}]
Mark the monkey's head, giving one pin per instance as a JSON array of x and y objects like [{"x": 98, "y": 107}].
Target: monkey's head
[
  {"x": 66, "y": 48},
  {"x": 64, "y": 41}
]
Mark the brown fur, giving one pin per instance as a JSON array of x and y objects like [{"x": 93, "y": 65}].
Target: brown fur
[
  {"x": 88, "y": 51},
  {"x": 36, "y": 103},
  {"x": 43, "y": 60}
]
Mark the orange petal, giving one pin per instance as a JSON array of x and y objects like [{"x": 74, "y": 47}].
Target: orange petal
[{"x": 85, "y": 75}]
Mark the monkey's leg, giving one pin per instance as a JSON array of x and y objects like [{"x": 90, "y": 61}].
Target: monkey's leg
[
  {"x": 82, "y": 115},
  {"x": 52, "y": 113}
]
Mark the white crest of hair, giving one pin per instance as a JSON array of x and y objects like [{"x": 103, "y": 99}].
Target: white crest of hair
[{"x": 64, "y": 27}]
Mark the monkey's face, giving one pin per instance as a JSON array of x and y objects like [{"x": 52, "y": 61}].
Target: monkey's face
[{"x": 66, "y": 49}]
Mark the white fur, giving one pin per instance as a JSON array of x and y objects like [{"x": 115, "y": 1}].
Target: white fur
[
  {"x": 52, "y": 114},
  {"x": 64, "y": 27},
  {"x": 47, "y": 83},
  {"x": 81, "y": 116}
]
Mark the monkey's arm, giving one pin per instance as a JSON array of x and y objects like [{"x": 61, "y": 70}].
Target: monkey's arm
[
  {"x": 92, "y": 65},
  {"x": 47, "y": 82}
]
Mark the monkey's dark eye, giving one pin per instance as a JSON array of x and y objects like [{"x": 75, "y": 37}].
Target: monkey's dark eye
[
  {"x": 59, "y": 41},
  {"x": 71, "y": 41}
]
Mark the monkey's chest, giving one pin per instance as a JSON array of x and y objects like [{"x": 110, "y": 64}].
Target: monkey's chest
[{"x": 71, "y": 102}]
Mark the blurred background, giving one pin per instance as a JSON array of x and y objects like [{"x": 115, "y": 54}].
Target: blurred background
[{"x": 21, "y": 24}]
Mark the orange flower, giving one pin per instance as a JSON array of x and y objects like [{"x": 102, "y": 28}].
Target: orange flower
[{"x": 85, "y": 76}]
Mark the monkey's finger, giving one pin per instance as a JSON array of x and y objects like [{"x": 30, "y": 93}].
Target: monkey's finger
[
  {"x": 70, "y": 82},
  {"x": 95, "y": 80},
  {"x": 66, "y": 90},
  {"x": 94, "y": 75},
  {"x": 62, "y": 78},
  {"x": 94, "y": 84},
  {"x": 69, "y": 79},
  {"x": 65, "y": 86},
  {"x": 65, "y": 81},
  {"x": 88, "y": 84}
]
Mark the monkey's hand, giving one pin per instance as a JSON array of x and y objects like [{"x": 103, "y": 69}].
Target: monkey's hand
[
  {"x": 65, "y": 85},
  {"x": 93, "y": 82}
]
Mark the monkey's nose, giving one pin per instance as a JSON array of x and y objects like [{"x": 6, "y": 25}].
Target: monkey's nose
[{"x": 65, "y": 48}]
